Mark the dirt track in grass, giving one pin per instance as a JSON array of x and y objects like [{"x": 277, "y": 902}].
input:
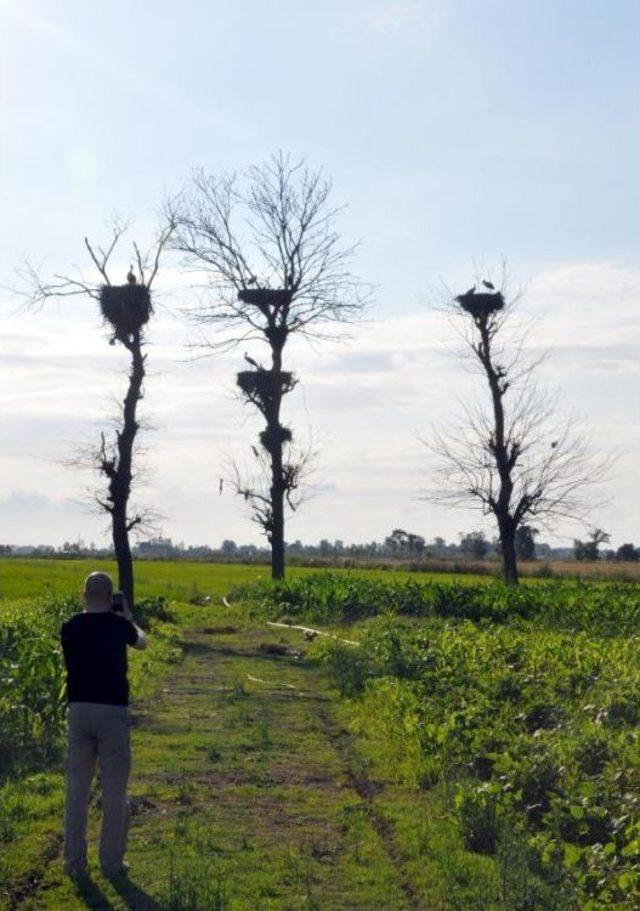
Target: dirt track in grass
[{"x": 246, "y": 794}]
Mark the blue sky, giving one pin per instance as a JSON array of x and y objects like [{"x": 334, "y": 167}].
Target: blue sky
[{"x": 455, "y": 131}]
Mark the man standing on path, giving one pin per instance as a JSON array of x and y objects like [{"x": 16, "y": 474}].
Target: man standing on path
[{"x": 94, "y": 644}]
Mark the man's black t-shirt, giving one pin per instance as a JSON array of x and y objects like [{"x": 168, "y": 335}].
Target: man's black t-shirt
[{"x": 95, "y": 652}]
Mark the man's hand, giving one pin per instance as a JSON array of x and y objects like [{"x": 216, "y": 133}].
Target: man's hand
[{"x": 141, "y": 643}]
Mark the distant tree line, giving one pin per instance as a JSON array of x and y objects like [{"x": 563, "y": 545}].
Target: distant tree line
[{"x": 399, "y": 545}]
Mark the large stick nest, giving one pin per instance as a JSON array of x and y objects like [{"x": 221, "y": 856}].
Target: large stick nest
[
  {"x": 265, "y": 385},
  {"x": 265, "y": 298},
  {"x": 482, "y": 304},
  {"x": 125, "y": 307},
  {"x": 273, "y": 437}
]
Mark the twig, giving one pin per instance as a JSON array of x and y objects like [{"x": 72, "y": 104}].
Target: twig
[{"x": 253, "y": 679}]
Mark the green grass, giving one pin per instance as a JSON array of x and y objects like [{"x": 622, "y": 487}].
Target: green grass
[{"x": 177, "y": 580}]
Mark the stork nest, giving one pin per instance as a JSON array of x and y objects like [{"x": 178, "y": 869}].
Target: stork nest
[
  {"x": 265, "y": 299},
  {"x": 265, "y": 385},
  {"x": 482, "y": 304},
  {"x": 273, "y": 437},
  {"x": 125, "y": 307}
]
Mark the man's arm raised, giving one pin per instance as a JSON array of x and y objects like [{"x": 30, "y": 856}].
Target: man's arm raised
[{"x": 141, "y": 642}]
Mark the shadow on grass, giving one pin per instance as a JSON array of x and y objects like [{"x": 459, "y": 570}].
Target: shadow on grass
[
  {"x": 131, "y": 895},
  {"x": 292, "y": 659},
  {"x": 134, "y": 897},
  {"x": 198, "y": 648},
  {"x": 91, "y": 894}
]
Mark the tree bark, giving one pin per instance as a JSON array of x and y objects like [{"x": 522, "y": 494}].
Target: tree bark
[
  {"x": 274, "y": 428},
  {"x": 277, "y": 539},
  {"x": 124, "y": 559},
  {"x": 504, "y": 458},
  {"x": 120, "y": 483},
  {"x": 508, "y": 548}
]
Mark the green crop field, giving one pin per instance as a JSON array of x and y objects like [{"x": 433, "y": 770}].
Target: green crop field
[
  {"x": 174, "y": 580},
  {"x": 458, "y": 746}
]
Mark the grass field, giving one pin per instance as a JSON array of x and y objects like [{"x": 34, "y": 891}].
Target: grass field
[
  {"x": 479, "y": 750},
  {"x": 177, "y": 581}
]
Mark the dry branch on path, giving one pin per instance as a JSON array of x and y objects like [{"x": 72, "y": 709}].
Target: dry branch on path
[{"x": 309, "y": 630}]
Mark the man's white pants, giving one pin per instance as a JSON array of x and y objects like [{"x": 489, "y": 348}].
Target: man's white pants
[{"x": 97, "y": 732}]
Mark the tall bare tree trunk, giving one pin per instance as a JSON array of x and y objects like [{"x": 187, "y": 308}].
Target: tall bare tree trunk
[
  {"x": 278, "y": 486},
  {"x": 126, "y": 309},
  {"x": 504, "y": 457},
  {"x": 277, "y": 532},
  {"x": 120, "y": 535},
  {"x": 120, "y": 474},
  {"x": 288, "y": 276},
  {"x": 509, "y": 457},
  {"x": 508, "y": 547}
]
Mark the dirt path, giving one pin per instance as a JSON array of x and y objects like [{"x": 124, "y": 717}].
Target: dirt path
[{"x": 247, "y": 793}]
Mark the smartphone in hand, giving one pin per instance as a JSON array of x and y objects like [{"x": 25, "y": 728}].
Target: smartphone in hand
[{"x": 117, "y": 603}]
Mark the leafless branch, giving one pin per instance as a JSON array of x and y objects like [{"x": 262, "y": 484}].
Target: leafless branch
[
  {"x": 36, "y": 291},
  {"x": 274, "y": 230},
  {"x": 252, "y": 483}
]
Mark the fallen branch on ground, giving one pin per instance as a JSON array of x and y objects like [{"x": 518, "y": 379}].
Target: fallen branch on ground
[
  {"x": 253, "y": 679},
  {"x": 291, "y": 690},
  {"x": 308, "y": 630}
]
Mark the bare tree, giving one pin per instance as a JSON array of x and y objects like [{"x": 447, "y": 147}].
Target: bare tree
[
  {"x": 276, "y": 268},
  {"x": 510, "y": 456},
  {"x": 126, "y": 309},
  {"x": 589, "y": 550}
]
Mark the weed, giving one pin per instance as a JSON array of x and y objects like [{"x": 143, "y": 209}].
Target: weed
[
  {"x": 194, "y": 886},
  {"x": 477, "y": 809},
  {"x": 263, "y": 737},
  {"x": 213, "y": 753},
  {"x": 238, "y": 689},
  {"x": 185, "y": 788}
]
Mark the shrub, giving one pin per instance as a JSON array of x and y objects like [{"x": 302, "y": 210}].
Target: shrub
[
  {"x": 478, "y": 817},
  {"x": 153, "y": 609}
]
